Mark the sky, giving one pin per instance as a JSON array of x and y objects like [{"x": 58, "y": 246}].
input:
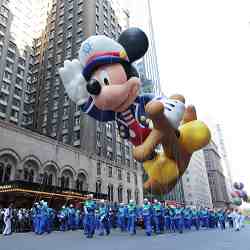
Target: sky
[{"x": 203, "y": 50}]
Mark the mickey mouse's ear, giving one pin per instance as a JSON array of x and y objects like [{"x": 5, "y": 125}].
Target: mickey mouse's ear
[{"x": 135, "y": 42}]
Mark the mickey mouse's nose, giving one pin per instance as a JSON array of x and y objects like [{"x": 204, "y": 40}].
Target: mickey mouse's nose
[{"x": 94, "y": 87}]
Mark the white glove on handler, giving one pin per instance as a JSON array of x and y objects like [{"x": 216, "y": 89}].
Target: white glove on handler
[{"x": 73, "y": 81}]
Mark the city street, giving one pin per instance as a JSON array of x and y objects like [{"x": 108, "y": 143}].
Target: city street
[{"x": 202, "y": 240}]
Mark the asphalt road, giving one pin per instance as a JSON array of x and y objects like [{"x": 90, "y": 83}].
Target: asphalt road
[{"x": 201, "y": 240}]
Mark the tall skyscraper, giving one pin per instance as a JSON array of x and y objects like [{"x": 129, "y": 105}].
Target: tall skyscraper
[
  {"x": 219, "y": 140},
  {"x": 16, "y": 60},
  {"x": 195, "y": 182},
  {"x": 68, "y": 24},
  {"x": 216, "y": 177},
  {"x": 145, "y": 21}
]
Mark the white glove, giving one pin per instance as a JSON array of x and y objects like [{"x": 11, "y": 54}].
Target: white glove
[
  {"x": 173, "y": 110},
  {"x": 73, "y": 81}
]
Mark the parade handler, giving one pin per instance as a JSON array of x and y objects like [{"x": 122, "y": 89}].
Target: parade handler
[{"x": 105, "y": 84}]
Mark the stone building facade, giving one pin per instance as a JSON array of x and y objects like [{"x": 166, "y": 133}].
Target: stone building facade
[{"x": 35, "y": 158}]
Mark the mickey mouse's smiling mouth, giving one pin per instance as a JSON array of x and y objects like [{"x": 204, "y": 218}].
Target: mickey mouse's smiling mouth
[{"x": 118, "y": 97}]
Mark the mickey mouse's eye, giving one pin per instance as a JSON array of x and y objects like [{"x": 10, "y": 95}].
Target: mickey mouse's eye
[
  {"x": 106, "y": 81},
  {"x": 104, "y": 78}
]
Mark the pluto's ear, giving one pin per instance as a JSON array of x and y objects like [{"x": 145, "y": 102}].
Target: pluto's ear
[{"x": 135, "y": 42}]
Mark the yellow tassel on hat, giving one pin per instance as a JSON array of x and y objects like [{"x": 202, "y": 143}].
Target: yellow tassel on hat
[{"x": 123, "y": 54}]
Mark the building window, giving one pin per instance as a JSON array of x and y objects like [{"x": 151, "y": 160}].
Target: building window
[
  {"x": 137, "y": 197},
  {"x": 4, "y": 97},
  {"x": 110, "y": 192},
  {"x": 45, "y": 179},
  {"x": 10, "y": 65},
  {"x": 16, "y": 102},
  {"x": 136, "y": 180},
  {"x": 77, "y": 135},
  {"x": 127, "y": 151},
  {"x": 77, "y": 120},
  {"x": 2, "y": 108},
  {"x": 98, "y": 136},
  {"x": 128, "y": 162},
  {"x": 7, "y": 75},
  {"x": 65, "y": 111},
  {"x": 119, "y": 159},
  {"x": 20, "y": 71},
  {"x": 65, "y": 138},
  {"x": 110, "y": 155},
  {"x": 128, "y": 177},
  {"x": 109, "y": 128},
  {"x": 119, "y": 174},
  {"x": 65, "y": 124},
  {"x": 135, "y": 164},
  {"x": 18, "y": 91},
  {"x": 50, "y": 180},
  {"x": 129, "y": 195},
  {"x": 55, "y": 114},
  {"x": 98, "y": 169},
  {"x": 5, "y": 86},
  {"x": 110, "y": 171},
  {"x": 98, "y": 150},
  {"x": 98, "y": 188},
  {"x": 11, "y": 55},
  {"x": 14, "y": 113},
  {"x": 120, "y": 194}
]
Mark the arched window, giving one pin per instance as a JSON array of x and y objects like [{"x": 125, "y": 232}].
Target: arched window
[
  {"x": 80, "y": 186},
  {"x": 129, "y": 195},
  {"x": 77, "y": 185},
  {"x": 7, "y": 173},
  {"x": 120, "y": 196},
  {"x": 67, "y": 183},
  {"x": 31, "y": 176},
  {"x": 63, "y": 182},
  {"x": 1, "y": 171},
  {"x": 45, "y": 179},
  {"x": 25, "y": 174},
  {"x": 81, "y": 182},
  {"x": 50, "y": 180},
  {"x": 98, "y": 187}
]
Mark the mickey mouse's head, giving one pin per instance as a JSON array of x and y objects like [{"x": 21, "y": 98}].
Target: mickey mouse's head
[{"x": 98, "y": 51}]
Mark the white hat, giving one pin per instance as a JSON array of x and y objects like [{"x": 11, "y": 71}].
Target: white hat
[
  {"x": 97, "y": 50},
  {"x": 145, "y": 199}
]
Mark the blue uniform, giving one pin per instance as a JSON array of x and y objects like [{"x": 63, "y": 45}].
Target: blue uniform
[
  {"x": 195, "y": 219},
  {"x": 132, "y": 216},
  {"x": 71, "y": 218},
  {"x": 157, "y": 214},
  {"x": 167, "y": 219},
  {"x": 62, "y": 217},
  {"x": 147, "y": 215},
  {"x": 122, "y": 216},
  {"x": 187, "y": 218},
  {"x": 178, "y": 219},
  {"x": 89, "y": 218},
  {"x": 204, "y": 217},
  {"x": 104, "y": 220}
]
